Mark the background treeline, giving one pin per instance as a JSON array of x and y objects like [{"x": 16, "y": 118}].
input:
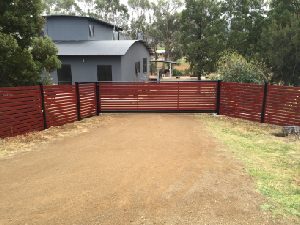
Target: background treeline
[
  {"x": 259, "y": 37},
  {"x": 247, "y": 41}
]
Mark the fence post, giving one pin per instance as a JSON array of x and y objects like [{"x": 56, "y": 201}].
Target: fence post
[
  {"x": 218, "y": 96},
  {"x": 43, "y": 106},
  {"x": 264, "y": 103},
  {"x": 178, "y": 96},
  {"x": 97, "y": 98},
  {"x": 77, "y": 100}
]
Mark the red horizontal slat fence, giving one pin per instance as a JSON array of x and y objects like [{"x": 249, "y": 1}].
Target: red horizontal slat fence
[
  {"x": 60, "y": 104},
  {"x": 242, "y": 100},
  {"x": 283, "y": 105},
  {"x": 20, "y": 110},
  {"x": 164, "y": 96},
  {"x": 246, "y": 101},
  {"x": 88, "y": 100},
  {"x": 34, "y": 108}
]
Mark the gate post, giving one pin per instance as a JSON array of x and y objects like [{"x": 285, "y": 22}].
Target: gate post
[
  {"x": 97, "y": 98},
  {"x": 264, "y": 103},
  {"x": 77, "y": 100},
  {"x": 218, "y": 96},
  {"x": 178, "y": 96},
  {"x": 43, "y": 106}
]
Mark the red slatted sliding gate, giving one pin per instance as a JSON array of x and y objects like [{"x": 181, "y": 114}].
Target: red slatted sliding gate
[{"x": 158, "y": 97}]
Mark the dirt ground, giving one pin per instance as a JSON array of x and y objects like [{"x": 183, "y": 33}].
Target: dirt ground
[{"x": 133, "y": 169}]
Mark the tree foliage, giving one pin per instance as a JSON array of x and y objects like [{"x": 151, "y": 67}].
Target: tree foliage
[
  {"x": 233, "y": 67},
  {"x": 245, "y": 20},
  {"x": 21, "y": 19},
  {"x": 68, "y": 7},
  {"x": 44, "y": 54},
  {"x": 16, "y": 64},
  {"x": 209, "y": 27},
  {"x": 202, "y": 34},
  {"x": 141, "y": 16},
  {"x": 24, "y": 55},
  {"x": 111, "y": 11},
  {"x": 166, "y": 25},
  {"x": 280, "y": 42}
]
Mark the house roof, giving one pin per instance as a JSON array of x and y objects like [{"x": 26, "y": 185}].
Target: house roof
[
  {"x": 84, "y": 48},
  {"x": 89, "y": 18}
]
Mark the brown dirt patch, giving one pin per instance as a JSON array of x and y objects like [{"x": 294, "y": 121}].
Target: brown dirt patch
[{"x": 132, "y": 169}]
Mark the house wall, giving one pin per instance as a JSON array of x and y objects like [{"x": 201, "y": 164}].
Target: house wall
[
  {"x": 75, "y": 29},
  {"x": 101, "y": 32},
  {"x": 135, "y": 53},
  {"x": 84, "y": 68}
]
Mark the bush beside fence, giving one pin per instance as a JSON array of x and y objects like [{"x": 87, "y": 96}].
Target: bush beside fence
[{"x": 26, "y": 109}]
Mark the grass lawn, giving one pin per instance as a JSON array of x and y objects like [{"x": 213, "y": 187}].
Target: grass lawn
[{"x": 273, "y": 161}]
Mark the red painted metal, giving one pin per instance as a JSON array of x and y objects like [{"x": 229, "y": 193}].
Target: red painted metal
[
  {"x": 20, "y": 110},
  {"x": 21, "y": 107},
  {"x": 246, "y": 101},
  {"x": 283, "y": 105},
  {"x": 242, "y": 100},
  {"x": 60, "y": 104},
  {"x": 87, "y": 100},
  {"x": 166, "y": 96}
]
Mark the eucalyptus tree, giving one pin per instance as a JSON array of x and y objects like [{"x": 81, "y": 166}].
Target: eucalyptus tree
[
  {"x": 65, "y": 7},
  {"x": 245, "y": 20},
  {"x": 141, "y": 15},
  {"x": 203, "y": 34},
  {"x": 166, "y": 24},
  {"x": 280, "y": 42}
]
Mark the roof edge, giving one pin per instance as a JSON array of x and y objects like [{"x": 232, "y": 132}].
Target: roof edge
[
  {"x": 144, "y": 43},
  {"x": 85, "y": 17}
]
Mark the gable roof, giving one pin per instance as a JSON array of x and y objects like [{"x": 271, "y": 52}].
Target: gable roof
[
  {"x": 101, "y": 22},
  {"x": 85, "y": 48}
]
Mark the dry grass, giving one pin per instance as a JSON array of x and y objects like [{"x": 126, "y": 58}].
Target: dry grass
[{"x": 31, "y": 141}]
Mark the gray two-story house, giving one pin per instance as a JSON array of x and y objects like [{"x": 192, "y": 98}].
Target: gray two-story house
[{"x": 92, "y": 50}]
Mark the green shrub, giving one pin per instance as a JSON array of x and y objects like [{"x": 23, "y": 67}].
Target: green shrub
[
  {"x": 177, "y": 73},
  {"x": 233, "y": 67}
]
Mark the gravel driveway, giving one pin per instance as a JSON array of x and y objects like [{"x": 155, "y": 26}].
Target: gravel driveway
[{"x": 134, "y": 169}]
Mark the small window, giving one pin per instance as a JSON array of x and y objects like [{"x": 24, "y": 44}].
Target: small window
[
  {"x": 64, "y": 74},
  {"x": 145, "y": 65},
  {"x": 104, "y": 73},
  {"x": 137, "y": 67},
  {"x": 91, "y": 30}
]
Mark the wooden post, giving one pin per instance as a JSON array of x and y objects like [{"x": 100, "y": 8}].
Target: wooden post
[
  {"x": 218, "y": 96},
  {"x": 77, "y": 100},
  {"x": 43, "y": 106},
  {"x": 264, "y": 103}
]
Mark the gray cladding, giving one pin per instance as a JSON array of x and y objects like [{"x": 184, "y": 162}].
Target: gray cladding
[
  {"x": 94, "y": 47},
  {"x": 64, "y": 28},
  {"x": 136, "y": 53},
  {"x": 84, "y": 68},
  {"x": 101, "y": 32}
]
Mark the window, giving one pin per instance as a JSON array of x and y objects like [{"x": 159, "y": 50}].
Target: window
[
  {"x": 137, "y": 68},
  {"x": 91, "y": 30},
  {"x": 64, "y": 74},
  {"x": 104, "y": 73},
  {"x": 145, "y": 65}
]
